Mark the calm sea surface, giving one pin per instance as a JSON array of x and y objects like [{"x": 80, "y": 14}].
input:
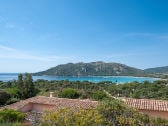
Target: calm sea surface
[{"x": 119, "y": 79}]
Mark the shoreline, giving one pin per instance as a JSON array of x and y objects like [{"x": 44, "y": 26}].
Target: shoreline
[{"x": 94, "y": 79}]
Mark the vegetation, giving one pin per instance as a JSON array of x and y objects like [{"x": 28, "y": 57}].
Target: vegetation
[
  {"x": 69, "y": 93},
  {"x": 109, "y": 111},
  {"x": 93, "y": 68},
  {"x": 25, "y": 86},
  {"x": 8, "y": 116},
  {"x": 159, "y": 75},
  {"x": 157, "y": 70},
  {"x": 11, "y": 124},
  {"x": 99, "y": 96},
  {"x": 14, "y": 91},
  {"x": 116, "y": 113},
  {"x": 83, "y": 90},
  {"x": 4, "y": 97},
  {"x": 155, "y": 90},
  {"x": 67, "y": 117},
  {"x": 67, "y": 88}
]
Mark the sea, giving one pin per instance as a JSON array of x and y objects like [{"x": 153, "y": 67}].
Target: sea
[{"x": 118, "y": 79}]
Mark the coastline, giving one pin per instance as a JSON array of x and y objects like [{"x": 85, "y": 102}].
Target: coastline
[{"x": 96, "y": 79}]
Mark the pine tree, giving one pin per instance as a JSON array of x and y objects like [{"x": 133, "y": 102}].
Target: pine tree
[
  {"x": 20, "y": 85},
  {"x": 29, "y": 89},
  {"x": 26, "y": 86}
]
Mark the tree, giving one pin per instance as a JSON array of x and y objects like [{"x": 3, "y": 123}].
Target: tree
[
  {"x": 4, "y": 97},
  {"x": 28, "y": 86},
  {"x": 99, "y": 95},
  {"x": 116, "y": 113},
  {"x": 19, "y": 86},
  {"x": 68, "y": 117},
  {"x": 25, "y": 86},
  {"x": 69, "y": 93},
  {"x": 15, "y": 92},
  {"x": 20, "y": 81}
]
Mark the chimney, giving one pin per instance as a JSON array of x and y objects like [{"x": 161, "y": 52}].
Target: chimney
[{"x": 51, "y": 94}]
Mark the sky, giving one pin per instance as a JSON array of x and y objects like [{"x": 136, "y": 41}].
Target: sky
[{"x": 39, "y": 34}]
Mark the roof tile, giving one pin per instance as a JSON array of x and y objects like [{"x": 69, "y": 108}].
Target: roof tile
[
  {"x": 147, "y": 104},
  {"x": 58, "y": 102}
]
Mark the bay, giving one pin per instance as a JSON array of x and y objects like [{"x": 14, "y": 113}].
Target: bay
[{"x": 119, "y": 79}]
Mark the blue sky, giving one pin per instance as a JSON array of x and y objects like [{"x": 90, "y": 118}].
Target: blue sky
[{"x": 38, "y": 34}]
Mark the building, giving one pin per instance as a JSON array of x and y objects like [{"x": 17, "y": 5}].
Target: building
[
  {"x": 43, "y": 103},
  {"x": 34, "y": 107},
  {"x": 40, "y": 104},
  {"x": 153, "y": 108}
]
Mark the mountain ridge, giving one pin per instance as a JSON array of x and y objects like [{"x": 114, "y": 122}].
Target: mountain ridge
[
  {"x": 98, "y": 68},
  {"x": 156, "y": 70}
]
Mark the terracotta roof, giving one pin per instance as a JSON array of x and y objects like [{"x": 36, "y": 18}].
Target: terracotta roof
[
  {"x": 57, "y": 102},
  {"x": 147, "y": 104},
  {"x": 141, "y": 104}
]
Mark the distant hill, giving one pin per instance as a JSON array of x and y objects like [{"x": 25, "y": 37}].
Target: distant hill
[
  {"x": 161, "y": 70},
  {"x": 92, "y": 69}
]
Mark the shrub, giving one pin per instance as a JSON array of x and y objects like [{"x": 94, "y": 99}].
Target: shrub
[
  {"x": 9, "y": 115},
  {"x": 100, "y": 95},
  {"x": 11, "y": 124},
  {"x": 12, "y": 100},
  {"x": 69, "y": 93},
  {"x": 67, "y": 117},
  {"x": 4, "y": 96}
]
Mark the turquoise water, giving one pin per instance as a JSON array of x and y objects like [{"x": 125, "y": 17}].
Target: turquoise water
[{"x": 118, "y": 79}]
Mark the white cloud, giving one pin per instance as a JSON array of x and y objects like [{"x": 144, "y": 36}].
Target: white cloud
[
  {"x": 11, "y": 53},
  {"x": 6, "y": 48}
]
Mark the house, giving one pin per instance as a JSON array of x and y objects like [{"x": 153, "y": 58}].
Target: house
[
  {"x": 39, "y": 104},
  {"x": 153, "y": 108},
  {"x": 43, "y": 103},
  {"x": 34, "y": 107}
]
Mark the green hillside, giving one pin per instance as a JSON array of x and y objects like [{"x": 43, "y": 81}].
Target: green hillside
[
  {"x": 92, "y": 69},
  {"x": 161, "y": 70}
]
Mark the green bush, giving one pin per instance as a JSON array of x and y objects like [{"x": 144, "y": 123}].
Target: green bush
[
  {"x": 4, "y": 97},
  {"x": 68, "y": 117},
  {"x": 14, "y": 92},
  {"x": 11, "y": 124},
  {"x": 12, "y": 100},
  {"x": 69, "y": 93},
  {"x": 9, "y": 115},
  {"x": 99, "y": 95}
]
